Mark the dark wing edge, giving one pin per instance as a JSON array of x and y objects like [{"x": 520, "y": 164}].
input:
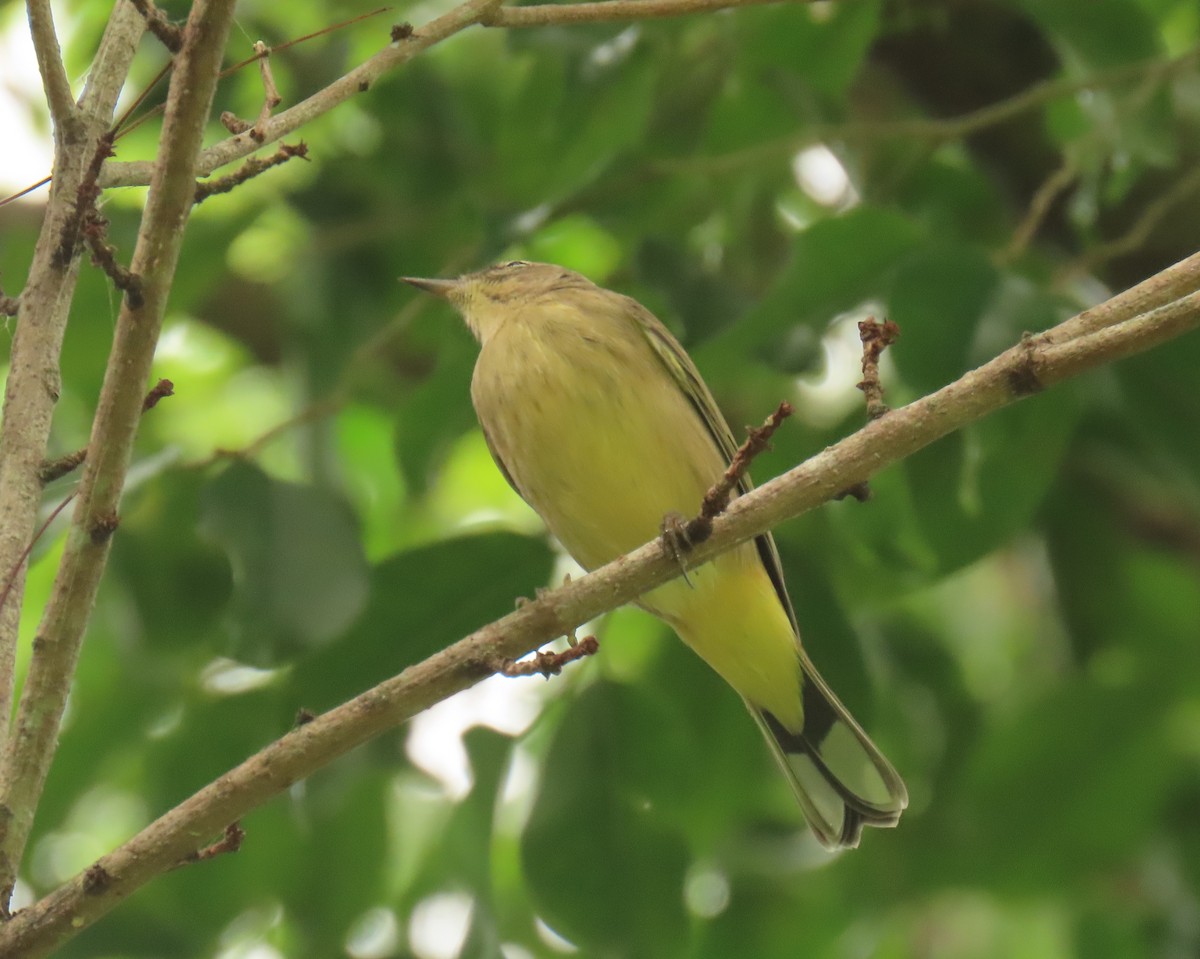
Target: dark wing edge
[
  {"x": 500, "y": 464},
  {"x": 676, "y": 361}
]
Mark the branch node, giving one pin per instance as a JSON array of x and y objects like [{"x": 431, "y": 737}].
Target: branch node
[
  {"x": 859, "y": 491},
  {"x": 57, "y": 468},
  {"x": 233, "y": 123},
  {"x": 9, "y": 305},
  {"x": 85, "y": 202},
  {"x": 402, "y": 31},
  {"x": 546, "y": 664},
  {"x": 876, "y": 337},
  {"x": 159, "y": 391},
  {"x": 96, "y": 879},
  {"x": 103, "y": 527},
  {"x": 1023, "y": 378},
  {"x": 230, "y": 841}
]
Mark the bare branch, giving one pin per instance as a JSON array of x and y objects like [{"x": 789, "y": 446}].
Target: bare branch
[
  {"x": 547, "y": 664},
  {"x": 357, "y": 81},
  {"x": 1044, "y": 360},
  {"x": 33, "y": 378},
  {"x": 50, "y": 64},
  {"x": 1162, "y": 288},
  {"x": 271, "y": 97},
  {"x": 541, "y": 15},
  {"x": 251, "y": 168},
  {"x": 158, "y": 23},
  {"x": 31, "y": 746}
]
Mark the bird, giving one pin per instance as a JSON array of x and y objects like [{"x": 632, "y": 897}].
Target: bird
[{"x": 598, "y": 418}]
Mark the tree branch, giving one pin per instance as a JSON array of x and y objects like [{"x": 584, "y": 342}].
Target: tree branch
[
  {"x": 30, "y": 748},
  {"x": 54, "y": 75},
  {"x": 33, "y": 379},
  {"x": 1037, "y": 362},
  {"x": 541, "y": 15},
  {"x": 357, "y": 81}
]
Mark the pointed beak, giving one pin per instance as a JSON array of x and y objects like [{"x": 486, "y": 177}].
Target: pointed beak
[{"x": 442, "y": 288}]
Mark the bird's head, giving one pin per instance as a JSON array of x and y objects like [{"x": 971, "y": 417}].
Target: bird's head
[{"x": 489, "y": 296}]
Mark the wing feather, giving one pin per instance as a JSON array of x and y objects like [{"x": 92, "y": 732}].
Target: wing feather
[{"x": 681, "y": 368}]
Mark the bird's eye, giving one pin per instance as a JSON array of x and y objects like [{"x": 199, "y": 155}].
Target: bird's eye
[{"x": 511, "y": 264}]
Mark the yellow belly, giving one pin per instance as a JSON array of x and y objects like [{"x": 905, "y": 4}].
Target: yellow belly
[{"x": 603, "y": 443}]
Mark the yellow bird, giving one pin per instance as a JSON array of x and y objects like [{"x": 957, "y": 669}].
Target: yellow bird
[{"x": 601, "y": 422}]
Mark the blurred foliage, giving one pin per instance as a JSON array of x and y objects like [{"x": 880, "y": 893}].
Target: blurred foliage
[{"x": 1015, "y": 616}]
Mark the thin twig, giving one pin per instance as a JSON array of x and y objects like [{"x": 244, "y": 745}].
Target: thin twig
[
  {"x": 104, "y": 255},
  {"x": 231, "y": 841},
  {"x": 271, "y": 97},
  {"x": 58, "y": 468},
  {"x": 547, "y": 664},
  {"x": 251, "y": 168},
  {"x": 364, "y": 76},
  {"x": 41, "y": 531},
  {"x": 168, "y": 32},
  {"x": 1043, "y": 199},
  {"x": 716, "y": 500},
  {"x": 682, "y": 536},
  {"x": 85, "y": 201},
  {"x": 876, "y": 337},
  {"x": 122, "y": 126}
]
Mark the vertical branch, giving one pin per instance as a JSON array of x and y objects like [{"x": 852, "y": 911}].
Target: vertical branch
[
  {"x": 33, "y": 378},
  {"x": 56, "y": 650},
  {"x": 50, "y": 65}
]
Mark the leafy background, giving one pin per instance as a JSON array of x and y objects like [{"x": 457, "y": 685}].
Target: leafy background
[{"x": 1014, "y": 615}]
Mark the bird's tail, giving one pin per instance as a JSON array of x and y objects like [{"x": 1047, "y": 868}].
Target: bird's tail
[{"x": 842, "y": 780}]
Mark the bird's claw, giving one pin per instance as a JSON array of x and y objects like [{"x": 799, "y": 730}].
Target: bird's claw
[{"x": 676, "y": 541}]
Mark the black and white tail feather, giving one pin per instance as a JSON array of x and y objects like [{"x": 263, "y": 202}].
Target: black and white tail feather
[
  {"x": 842, "y": 781},
  {"x": 840, "y": 778}
]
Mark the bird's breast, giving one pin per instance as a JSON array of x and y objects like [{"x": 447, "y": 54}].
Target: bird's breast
[{"x": 596, "y": 434}]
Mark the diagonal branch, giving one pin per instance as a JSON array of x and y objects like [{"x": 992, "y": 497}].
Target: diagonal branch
[
  {"x": 1037, "y": 362},
  {"x": 30, "y": 748},
  {"x": 357, "y": 81}
]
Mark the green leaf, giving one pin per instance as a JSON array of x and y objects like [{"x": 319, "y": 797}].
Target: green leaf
[{"x": 300, "y": 575}]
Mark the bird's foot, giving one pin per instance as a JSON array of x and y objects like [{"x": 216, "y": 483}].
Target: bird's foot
[{"x": 677, "y": 542}]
